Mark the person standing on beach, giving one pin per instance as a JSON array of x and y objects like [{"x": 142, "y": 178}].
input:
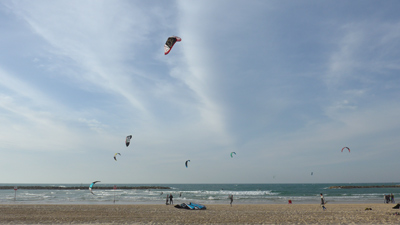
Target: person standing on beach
[
  {"x": 322, "y": 201},
  {"x": 170, "y": 199},
  {"x": 167, "y": 200},
  {"x": 231, "y": 198},
  {"x": 387, "y": 197}
]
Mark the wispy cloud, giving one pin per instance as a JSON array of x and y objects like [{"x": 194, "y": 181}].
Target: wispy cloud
[{"x": 98, "y": 52}]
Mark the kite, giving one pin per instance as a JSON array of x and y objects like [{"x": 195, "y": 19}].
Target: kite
[
  {"x": 186, "y": 163},
  {"x": 170, "y": 43},
  {"x": 128, "y": 140},
  {"x": 192, "y": 206},
  {"x": 347, "y": 149},
  {"x": 90, "y": 187},
  {"x": 115, "y": 156},
  {"x": 312, "y": 173},
  {"x": 232, "y": 154}
]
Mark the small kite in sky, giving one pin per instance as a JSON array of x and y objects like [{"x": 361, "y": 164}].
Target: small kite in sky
[
  {"x": 186, "y": 163},
  {"x": 91, "y": 186},
  {"x": 232, "y": 154},
  {"x": 115, "y": 156},
  {"x": 347, "y": 149},
  {"x": 128, "y": 140}
]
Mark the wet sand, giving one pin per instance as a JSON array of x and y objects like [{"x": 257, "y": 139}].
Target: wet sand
[{"x": 214, "y": 214}]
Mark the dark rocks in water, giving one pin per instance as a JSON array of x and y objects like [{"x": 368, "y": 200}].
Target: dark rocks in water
[
  {"x": 373, "y": 186},
  {"x": 80, "y": 187}
]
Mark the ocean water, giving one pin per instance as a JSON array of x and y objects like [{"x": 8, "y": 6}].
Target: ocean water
[{"x": 199, "y": 193}]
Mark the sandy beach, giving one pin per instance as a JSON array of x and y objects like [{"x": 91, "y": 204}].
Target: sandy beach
[{"x": 214, "y": 214}]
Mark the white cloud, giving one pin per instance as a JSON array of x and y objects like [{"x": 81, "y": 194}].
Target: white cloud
[
  {"x": 22, "y": 89},
  {"x": 200, "y": 71}
]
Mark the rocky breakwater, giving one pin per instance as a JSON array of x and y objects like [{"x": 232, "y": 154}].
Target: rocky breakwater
[
  {"x": 81, "y": 187},
  {"x": 372, "y": 186}
]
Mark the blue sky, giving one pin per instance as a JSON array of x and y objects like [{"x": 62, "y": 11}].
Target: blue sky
[{"x": 284, "y": 84}]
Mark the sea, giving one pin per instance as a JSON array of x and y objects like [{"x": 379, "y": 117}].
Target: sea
[{"x": 198, "y": 193}]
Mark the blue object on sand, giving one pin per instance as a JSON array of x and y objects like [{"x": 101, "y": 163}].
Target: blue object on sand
[{"x": 191, "y": 205}]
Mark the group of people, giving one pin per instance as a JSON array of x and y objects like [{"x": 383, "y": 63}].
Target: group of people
[
  {"x": 170, "y": 199},
  {"x": 389, "y": 198}
]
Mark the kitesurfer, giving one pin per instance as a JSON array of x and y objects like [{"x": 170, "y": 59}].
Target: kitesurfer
[
  {"x": 171, "y": 201},
  {"x": 322, "y": 201}
]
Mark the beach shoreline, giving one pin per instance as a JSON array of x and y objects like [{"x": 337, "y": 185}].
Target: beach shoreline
[
  {"x": 201, "y": 193},
  {"x": 214, "y": 214}
]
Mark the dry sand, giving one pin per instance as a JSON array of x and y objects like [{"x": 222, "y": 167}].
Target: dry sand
[{"x": 214, "y": 214}]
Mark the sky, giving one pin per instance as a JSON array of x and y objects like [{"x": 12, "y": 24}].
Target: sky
[{"x": 284, "y": 84}]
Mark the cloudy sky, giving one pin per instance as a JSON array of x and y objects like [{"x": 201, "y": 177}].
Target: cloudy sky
[{"x": 284, "y": 84}]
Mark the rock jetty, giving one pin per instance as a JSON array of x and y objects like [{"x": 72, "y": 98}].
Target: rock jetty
[
  {"x": 372, "y": 186},
  {"x": 81, "y": 187}
]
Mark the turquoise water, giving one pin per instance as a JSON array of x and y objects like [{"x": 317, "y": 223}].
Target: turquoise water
[{"x": 200, "y": 193}]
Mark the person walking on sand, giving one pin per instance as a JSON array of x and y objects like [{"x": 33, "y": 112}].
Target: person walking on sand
[
  {"x": 167, "y": 200},
  {"x": 231, "y": 198},
  {"x": 322, "y": 201},
  {"x": 171, "y": 201}
]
